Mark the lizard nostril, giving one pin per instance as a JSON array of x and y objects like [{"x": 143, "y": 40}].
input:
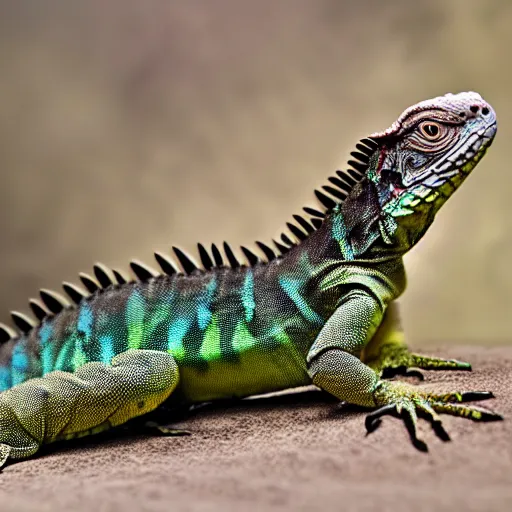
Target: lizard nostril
[
  {"x": 485, "y": 111},
  {"x": 474, "y": 108}
]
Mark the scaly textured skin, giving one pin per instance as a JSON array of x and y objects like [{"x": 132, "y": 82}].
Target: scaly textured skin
[
  {"x": 315, "y": 314},
  {"x": 63, "y": 405}
]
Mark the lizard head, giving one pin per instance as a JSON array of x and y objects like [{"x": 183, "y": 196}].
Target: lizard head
[{"x": 426, "y": 154}]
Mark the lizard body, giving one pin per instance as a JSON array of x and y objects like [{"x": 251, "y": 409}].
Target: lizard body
[{"x": 316, "y": 313}]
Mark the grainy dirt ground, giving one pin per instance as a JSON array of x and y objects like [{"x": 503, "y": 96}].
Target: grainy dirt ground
[{"x": 287, "y": 452}]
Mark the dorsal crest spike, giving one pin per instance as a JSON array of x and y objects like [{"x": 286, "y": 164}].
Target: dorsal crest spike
[
  {"x": 356, "y": 167},
  {"x": 22, "y": 322},
  {"x": 371, "y": 143},
  {"x": 326, "y": 201},
  {"x": 165, "y": 264},
  {"x": 344, "y": 176},
  {"x": 267, "y": 251},
  {"x": 335, "y": 192},
  {"x": 141, "y": 271},
  {"x": 6, "y": 333},
  {"x": 361, "y": 157},
  {"x": 186, "y": 262},
  {"x": 39, "y": 312},
  {"x": 252, "y": 259},
  {"x": 347, "y": 179},
  {"x": 287, "y": 240},
  {"x": 304, "y": 224},
  {"x": 205, "y": 257},
  {"x": 313, "y": 212},
  {"x": 120, "y": 278},
  {"x": 52, "y": 301},
  {"x": 317, "y": 223},
  {"x": 230, "y": 255},
  {"x": 280, "y": 247},
  {"x": 101, "y": 274},
  {"x": 217, "y": 256},
  {"x": 354, "y": 172},
  {"x": 342, "y": 185},
  {"x": 297, "y": 232},
  {"x": 73, "y": 292},
  {"x": 89, "y": 283},
  {"x": 363, "y": 148}
]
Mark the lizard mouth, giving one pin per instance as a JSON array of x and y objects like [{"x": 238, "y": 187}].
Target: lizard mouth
[{"x": 470, "y": 151}]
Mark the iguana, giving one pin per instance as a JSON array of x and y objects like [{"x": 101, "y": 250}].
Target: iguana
[{"x": 322, "y": 311}]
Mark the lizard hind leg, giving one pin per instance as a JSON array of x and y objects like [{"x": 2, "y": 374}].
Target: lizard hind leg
[
  {"x": 97, "y": 396},
  {"x": 146, "y": 379}
]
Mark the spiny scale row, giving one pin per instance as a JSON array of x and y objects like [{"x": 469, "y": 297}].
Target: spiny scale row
[
  {"x": 345, "y": 181},
  {"x": 53, "y": 304}
]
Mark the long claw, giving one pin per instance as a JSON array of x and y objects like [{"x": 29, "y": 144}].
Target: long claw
[
  {"x": 474, "y": 396},
  {"x": 390, "y": 372},
  {"x": 491, "y": 416},
  {"x": 373, "y": 419},
  {"x": 410, "y": 402},
  {"x": 410, "y": 420},
  {"x": 414, "y": 373}
]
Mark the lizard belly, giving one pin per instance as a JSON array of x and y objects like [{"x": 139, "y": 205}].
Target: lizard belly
[{"x": 258, "y": 370}]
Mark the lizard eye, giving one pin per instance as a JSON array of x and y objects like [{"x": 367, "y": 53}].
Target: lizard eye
[
  {"x": 431, "y": 131},
  {"x": 431, "y": 136}
]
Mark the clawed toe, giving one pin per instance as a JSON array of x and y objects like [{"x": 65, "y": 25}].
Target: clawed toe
[
  {"x": 409, "y": 402},
  {"x": 373, "y": 419},
  {"x": 438, "y": 363},
  {"x": 402, "y": 362},
  {"x": 410, "y": 420},
  {"x": 463, "y": 411}
]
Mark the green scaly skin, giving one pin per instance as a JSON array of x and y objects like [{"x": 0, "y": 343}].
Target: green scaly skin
[{"x": 322, "y": 312}]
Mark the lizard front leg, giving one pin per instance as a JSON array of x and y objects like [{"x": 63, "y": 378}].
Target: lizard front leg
[
  {"x": 334, "y": 365},
  {"x": 388, "y": 355},
  {"x": 97, "y": 396}
]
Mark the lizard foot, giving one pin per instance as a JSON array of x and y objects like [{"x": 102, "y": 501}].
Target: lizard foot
[
  {"x": 396, "y": 359},
  {"x": 409, "y": 402}
]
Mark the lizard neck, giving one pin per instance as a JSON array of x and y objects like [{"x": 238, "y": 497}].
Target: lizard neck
[
  {"x": 371, "y": 225},
  {"x": 362, "y": 229}
]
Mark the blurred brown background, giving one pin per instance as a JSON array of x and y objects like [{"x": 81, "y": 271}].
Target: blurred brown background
[{"x": 128, "y": 126}]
